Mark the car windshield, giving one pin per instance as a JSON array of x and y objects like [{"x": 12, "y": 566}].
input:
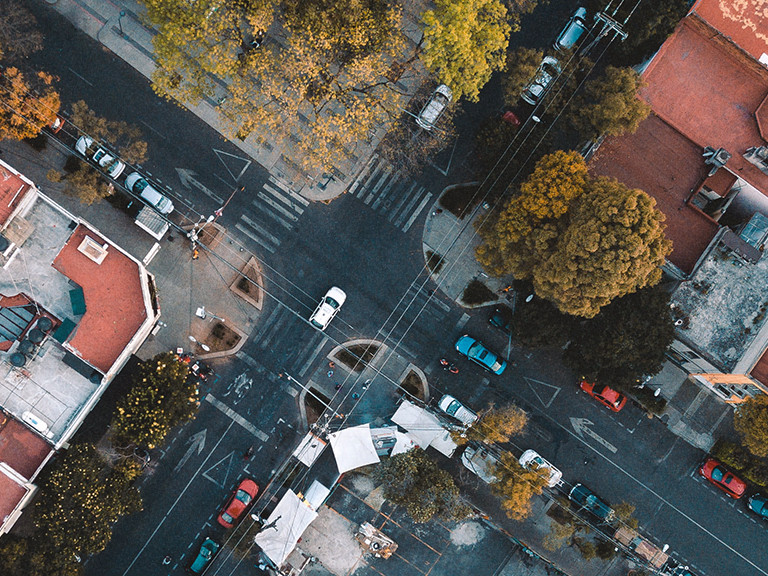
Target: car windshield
[
  {"x": 139, "y": 185},
  {"x": 331, "y": 302},
  {"x": 453, "y": 407},
  {"x": 227, "y": 518},
  {"x": 475, "y": 350},
  {"x": 718, "y": 474},
  {"x": 243, "y": 496}
]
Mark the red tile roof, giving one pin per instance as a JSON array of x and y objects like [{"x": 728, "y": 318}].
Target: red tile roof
[
  {"x": 745, "y": 22},
  {"x": 114, "y": 300},
  {"x": 20, "y": 448},
  {"x": 710, "y": 92},
  {"x": 760, "y": 370},
  {"x": 13, "y": 188},
  {"x": 668, "y": 166}
]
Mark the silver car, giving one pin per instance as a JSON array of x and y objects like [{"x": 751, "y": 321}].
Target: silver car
[{"x": 549, "y": 69}]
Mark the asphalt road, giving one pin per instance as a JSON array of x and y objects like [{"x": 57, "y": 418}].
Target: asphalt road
[{"x": 348, "y": 243}]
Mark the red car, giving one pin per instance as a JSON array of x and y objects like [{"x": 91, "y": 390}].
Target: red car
[
  {"x": 607, "y": 396},
  {"x": 727, "y": 481},
  {"x": 237, "y": 504}
]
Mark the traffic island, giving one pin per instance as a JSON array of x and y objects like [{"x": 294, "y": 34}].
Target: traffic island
[
  {"x": 355, "y": 355},
  {"x": 413, "y": 382},
  {"x": 216, "y": 339},
  {"x": 248, "y": 284}
]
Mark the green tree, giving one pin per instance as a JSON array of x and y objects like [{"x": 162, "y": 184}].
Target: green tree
[
  {"x": 124, "y": 138},
  {"x": 80, "y": 499},
  {"x": 624, "y": 512},
  {"x": 607, "y": 349},
  {"x": 497, "y": 425},
  {"x": 751, "y": 422},
  {"x": 545, "y": 196},
  {"x": 26, "y": 104},
  {"x": 538, "y": 323},
  {"x": 81, "y": 181},
  {"x": 19, "y": 35},
  {"x": 516, "y": 486},
  {"x": 465, "y": 41},
  {"x": 613, "y": 245},
  {"x": 609, "y": 105},
  {"x": 414, "y": 481},
  {"x": 163, "y": 396},
  {"x": 522, "y": 64}
]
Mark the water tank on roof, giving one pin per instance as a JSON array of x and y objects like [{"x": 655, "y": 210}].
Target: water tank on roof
[
  {"x": 44, "y": 324},
  {"x": 25, "y": 346},
  {"x": 17, "y": 359},
  {"x": 36, "y": 335}
]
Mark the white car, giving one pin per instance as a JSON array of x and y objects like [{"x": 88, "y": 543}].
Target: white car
[
  {"x": 435, "y": 107},
  {"x": 137, "y": 184},
  {"x": 328, "y": 308},
  {"x": 456, "y": 409},
  {"x": 110, "y": 163},
  {"x": 481, "y": 462},
  {"x": 532, "y": 461},
  {"x": 548, "y": 70}
]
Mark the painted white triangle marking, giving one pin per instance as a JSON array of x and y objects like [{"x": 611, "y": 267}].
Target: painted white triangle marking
[{"x": 531, "y": 381}]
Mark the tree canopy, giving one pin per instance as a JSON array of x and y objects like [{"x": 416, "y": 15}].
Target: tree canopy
[
  {"x": 627, "y": 340},
  {"x": 81, "y": 181},
  {"x": 163, "y": 396},
  {"x": 516, "y": 486},
  {"x": 751, "y": 422},
  {"x": 26, "y": 105},
  {"x": 465, "y": 41},
  {"x": 609, "y": 105},
  {"x": 124, "y": 138},
  {"x": 522, "y": 64},
  {"x": 19, "y": 35},
  {"x": 498, "y": 425},
  {"x": 414, "y": 481}
]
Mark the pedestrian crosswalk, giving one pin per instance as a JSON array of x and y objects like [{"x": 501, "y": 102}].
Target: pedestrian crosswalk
[
  {"x": 277, "y": 203},
  {"x": 390, "y": 193}
]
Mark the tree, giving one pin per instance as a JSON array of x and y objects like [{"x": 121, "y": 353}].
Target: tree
[
  {"x": 522, "y": 65},
  {"x": 19, "y": 36},
  {"x": 545, "y": 196},
  {"x": 124, "y": 138},
  {"x": 413, "y": 480},
  {"x": 465, "y": 41},
  {"x": 80, "y": 500},
  {"x": 613, "y": 244},
  {"x": 516, "y": 486},
  {"x": 606, "y": 348},
  {"x": 498, "y": 425},
  {"x": 609, "y": 105},
  {"x": 163, "y": 396},
  {"x": 751, "y": 422},
  {"x": 81, "y": 181},
  {"x": 26, "y": 106},
  {"x": 624, "y": 512}
]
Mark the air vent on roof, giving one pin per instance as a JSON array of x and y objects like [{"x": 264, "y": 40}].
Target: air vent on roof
[
  {"x": 17, "y": 359},
  {"x": 93, "y": 250},
  {"x": 44, "y": 324},
  {"x": 26, "y": 346},
  {"x": 717, "y": 158}
]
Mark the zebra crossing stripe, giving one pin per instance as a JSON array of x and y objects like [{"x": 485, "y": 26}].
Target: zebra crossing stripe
[
  {"x": 353, "y": 188},
  {"x": 260, "y": 230},
  {"x": 272, "y": 215},
  {"x": 374, "y": 174},
  {"x": 406, "y": 198},
  {"x": 315, "y": 353},
  {"x": 415, "y": 215},
  {"x": 265, "y": 337},
  {"x": 255, "y": 238},
  {"x": 285, "y": 188},
  {"x": 386, "y": 174},
  {"x": 285, "y": 201},
  {"x": 279, "y": 207},
  {"x": 387, "y": 189}
]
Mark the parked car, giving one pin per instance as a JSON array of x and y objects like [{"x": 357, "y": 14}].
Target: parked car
[
  {"x": 573, "y": 31},
  {"x": 587, "y": 499},
  {"x": 137, "y": 184},
  {"x": 542, "y": 81},
  {"x": 501, "y": 318},
  {"x": 56, "y": 126},
  {"x": 435, "y": 107},
  {"x": 479, "y": 354},
  {"x": 533, "y": 461},
  {"x": 723, "y": 478},
  {"x": 608, "y": 397},
  {"x": 328, "y": 308},
  {"x": 759, "y": 505},
  {"x": 453, "y": 407},
  {"x": 238, "y": 502},
  {"x": 204, "y": 556},
  {"x": 480, "y": 461},
  {"x": 108, "y": 161}
]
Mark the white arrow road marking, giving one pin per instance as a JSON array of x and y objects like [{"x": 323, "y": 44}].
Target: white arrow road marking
[
  {"x": 197, "y": 442},
  {"x": 582, "y": 428},
  {"x": 188, "y": 180}
]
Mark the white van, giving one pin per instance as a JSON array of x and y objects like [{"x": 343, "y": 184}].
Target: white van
[{"x": 137, "y": 184}]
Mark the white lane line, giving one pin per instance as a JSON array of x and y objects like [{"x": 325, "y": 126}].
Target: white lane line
[
  {"x": 255, "y": 238},
  {"x": 178, "y": 498},
  {"x": 235, "y": 417},
  {"x": 315, "y": 354},
  {"x": 81, "y": 78}
]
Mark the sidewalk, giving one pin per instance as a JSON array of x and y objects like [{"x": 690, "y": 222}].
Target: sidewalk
[{"x": 118, "y": 27}]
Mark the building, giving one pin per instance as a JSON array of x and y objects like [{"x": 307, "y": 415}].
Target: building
[
  {"x": 703, "y": 155},
  {"x": 73, "y": 308}
]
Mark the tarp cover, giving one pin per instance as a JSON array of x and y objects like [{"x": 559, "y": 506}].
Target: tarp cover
[
  {"x": 404, "y": 443},
  {"x": 285, "y": 526},
  {"x": 309, "y": 449},
  {"x": 424, "y": 428},
  {"x": 353, "y": 448}
]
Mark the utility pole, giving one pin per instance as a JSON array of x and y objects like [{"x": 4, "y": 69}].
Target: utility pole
[{"x": 609, "y": 26}]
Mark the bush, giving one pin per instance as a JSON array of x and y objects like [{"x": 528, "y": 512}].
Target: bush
[
  {"x": 477, "y": 293},
  {"x": 739, "y": 459}
]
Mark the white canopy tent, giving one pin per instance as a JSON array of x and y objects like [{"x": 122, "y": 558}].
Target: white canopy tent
[
  {"x": 424, "y": 428},
  {"x": 353, "y": 448},
  {"x": 284, "y": 527}
]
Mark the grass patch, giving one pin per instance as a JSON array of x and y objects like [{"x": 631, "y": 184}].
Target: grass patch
[
  {"x": 478, "y": 293},
  {"x": 434, "y": 262},
  {"x": 244, "y": 285},
  {"x": 460, "y": 200},
  {"x": 413, "y": 385},
  {"x": 222, "y": 338},
  {"x": 315, "y": 403},
  {"x": 358, "y": 356}
]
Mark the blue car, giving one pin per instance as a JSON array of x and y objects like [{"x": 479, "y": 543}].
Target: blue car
[
  {"x": 759, "y": 505},
  {"x": 475, "y": 351},
  {"x": 207, "y": 551}
]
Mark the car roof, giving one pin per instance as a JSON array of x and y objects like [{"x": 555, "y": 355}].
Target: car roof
[
  {"x": 434, "y": 107},
  {"x": 337, "y": 294}
]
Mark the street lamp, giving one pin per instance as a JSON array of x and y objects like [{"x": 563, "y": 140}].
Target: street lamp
[{"x": 120, "y": 23}]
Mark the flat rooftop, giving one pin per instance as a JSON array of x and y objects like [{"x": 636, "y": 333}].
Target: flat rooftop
[
  {"x": 745, "y": 23},
  {"x": 723, "y": 306},
  {"x": 709, "y": 91},
  {"x": 666, "y": 165},
  {"x": 13, "y": 188}
]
